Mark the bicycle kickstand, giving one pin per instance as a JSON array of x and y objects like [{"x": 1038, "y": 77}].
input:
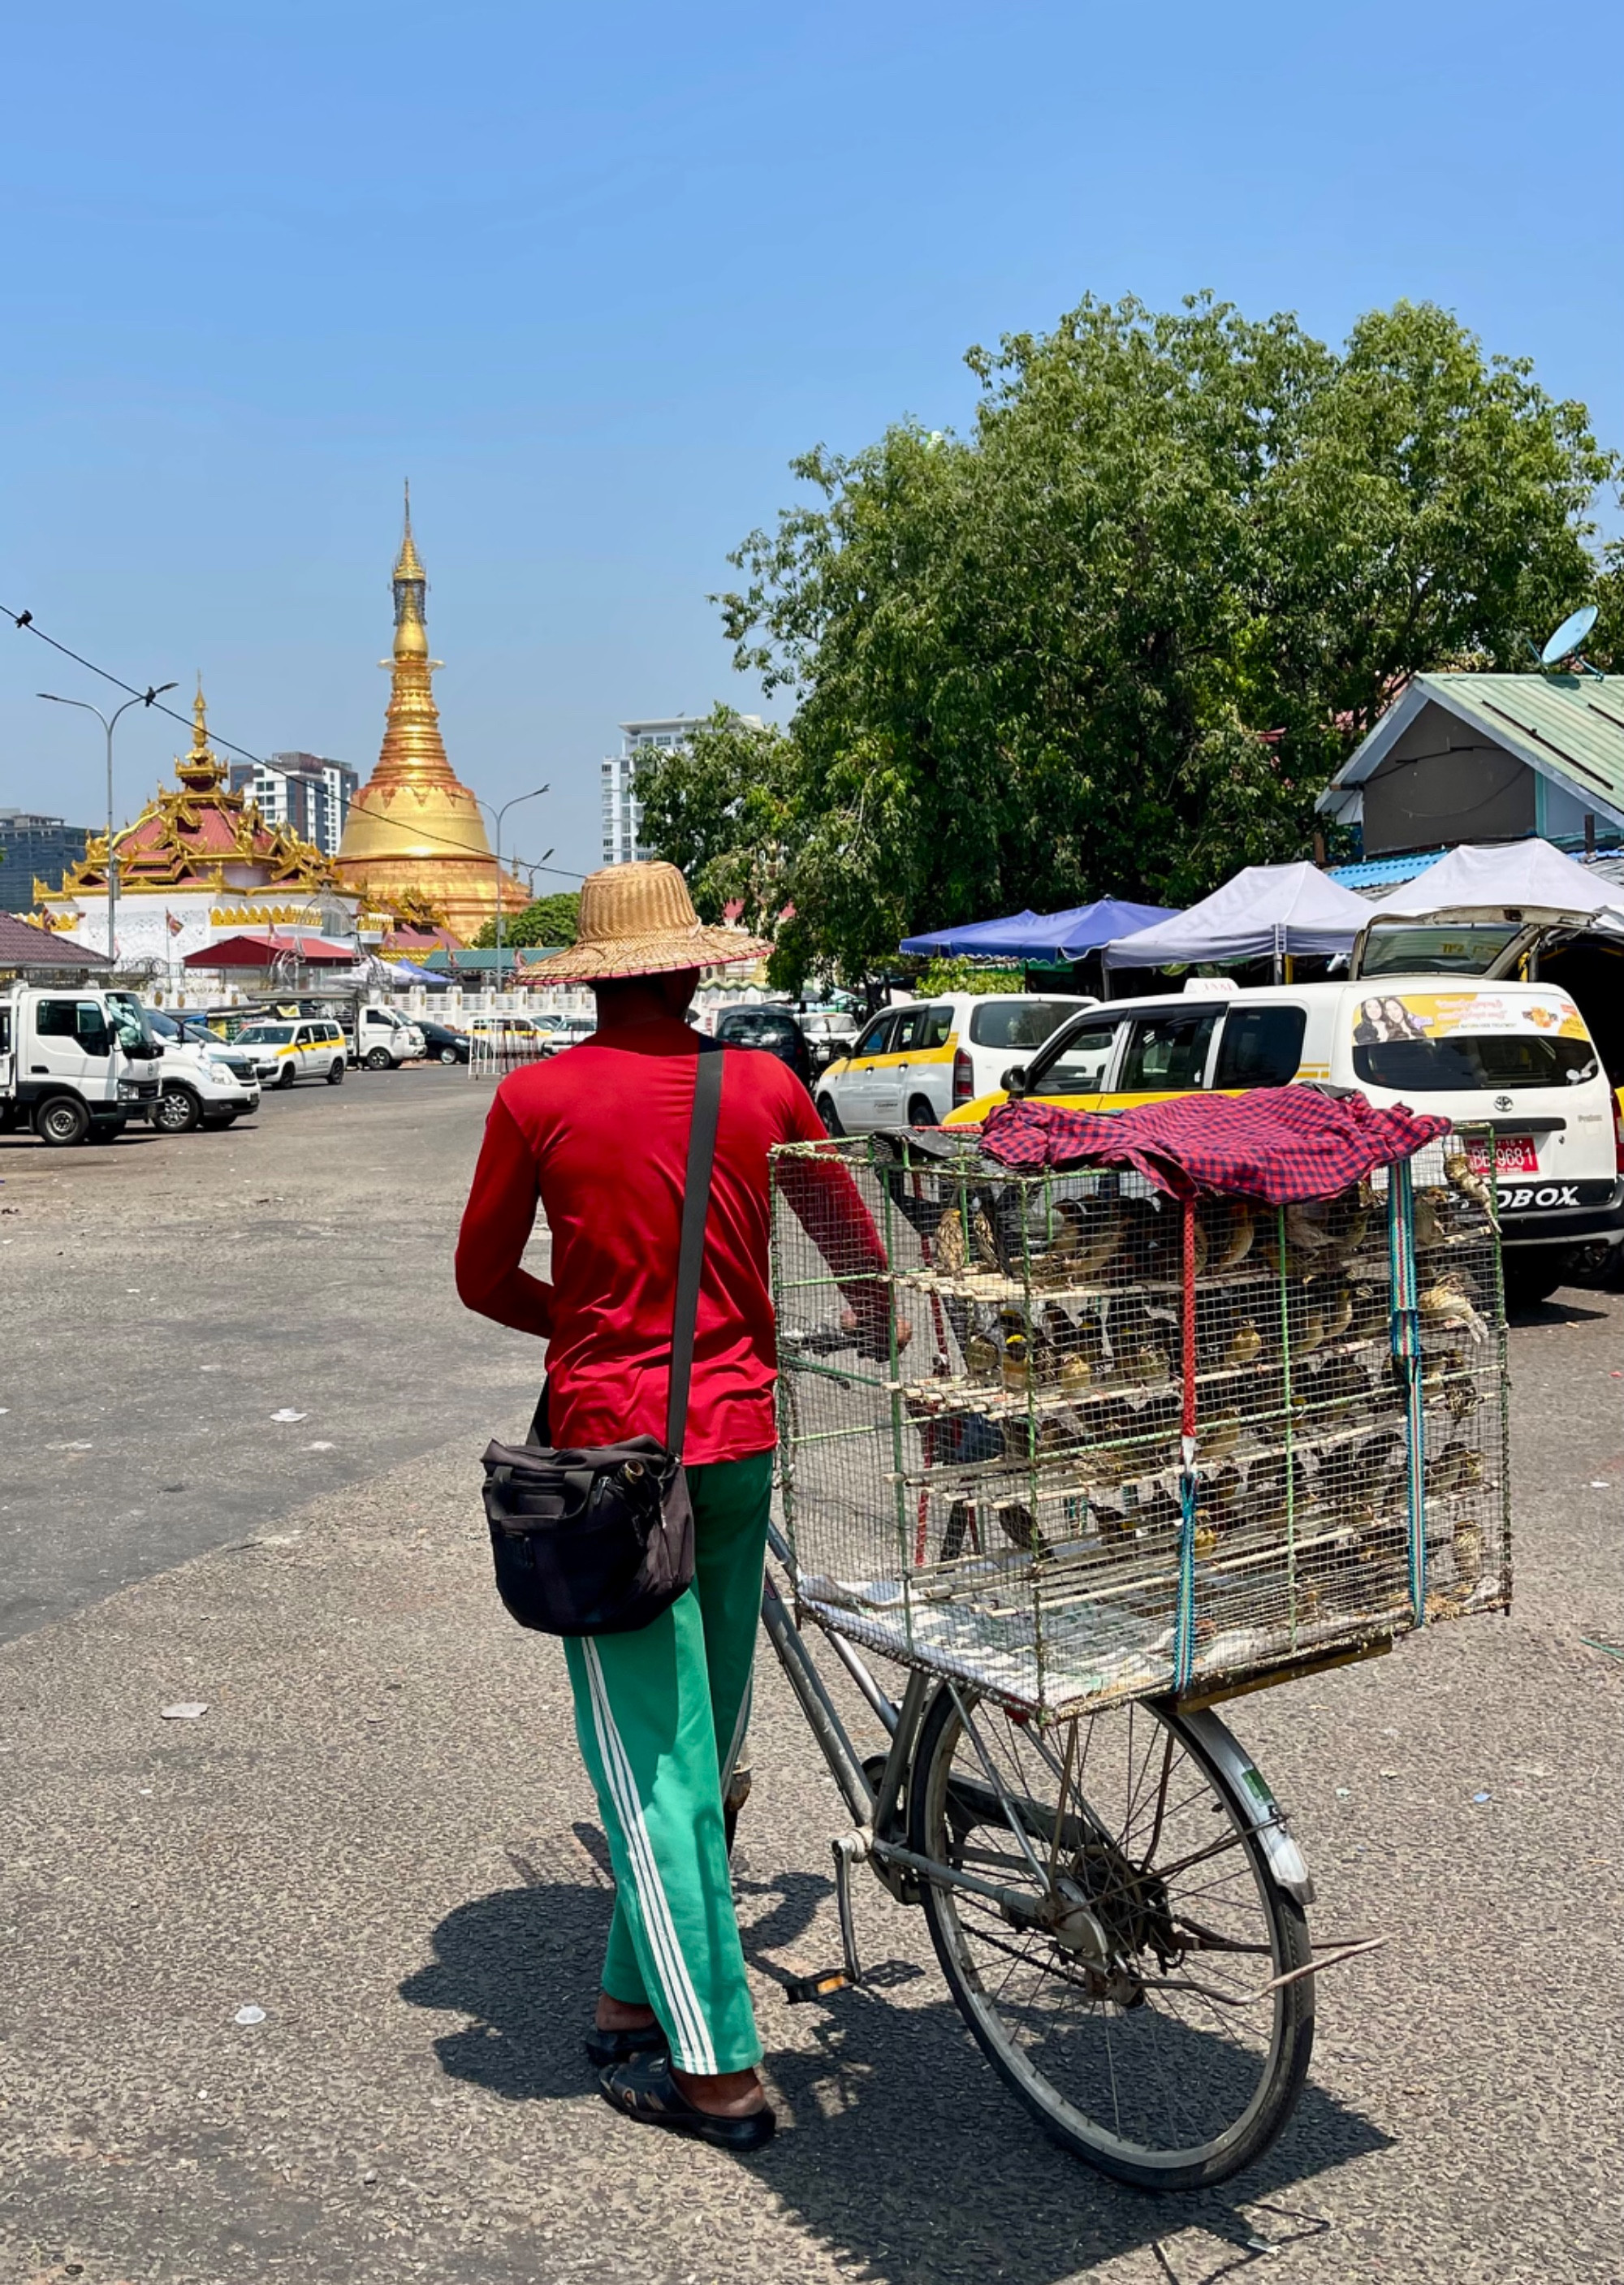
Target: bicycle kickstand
[{"x": 850, "y": 1849}]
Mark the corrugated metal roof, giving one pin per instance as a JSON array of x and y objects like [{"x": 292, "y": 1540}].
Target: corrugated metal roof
[{"x": 1567, "y": 726}]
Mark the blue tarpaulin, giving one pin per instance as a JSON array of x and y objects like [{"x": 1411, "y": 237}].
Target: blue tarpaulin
[{"x": 1044, "y": 936}]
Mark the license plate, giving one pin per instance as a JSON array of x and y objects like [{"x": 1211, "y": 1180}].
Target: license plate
[{"x": 1516, "y": 1155}]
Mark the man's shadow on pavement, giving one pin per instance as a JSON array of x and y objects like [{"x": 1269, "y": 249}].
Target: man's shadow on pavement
[{"x": 902, "y": 2151}]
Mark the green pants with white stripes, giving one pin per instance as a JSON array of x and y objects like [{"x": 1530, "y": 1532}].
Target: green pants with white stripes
[{"x": 660, "y": 1715}]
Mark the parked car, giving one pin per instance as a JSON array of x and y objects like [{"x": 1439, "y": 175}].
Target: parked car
[
  {"x": 1514, "y": 1059},
  {"x": 830, "y": 1033},
  {"x": 772, "y": 1028},
  {"x": 568, "y": 1032},
  {"x": 202, "y": 1082},
  {"x": 441, "y": 1044},
  {"x": 915, "y": 1063},
  {"x": 315, "y": 1048}
]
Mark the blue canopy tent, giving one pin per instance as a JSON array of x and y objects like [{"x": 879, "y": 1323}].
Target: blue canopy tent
[{"x": 1044, "y": 936}]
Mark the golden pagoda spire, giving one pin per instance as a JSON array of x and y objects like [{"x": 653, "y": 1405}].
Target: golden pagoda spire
[
  {"x": 407, "y": 563},
  {"x": 414, "y": 830},
  {"x": 412, "y": 746}
]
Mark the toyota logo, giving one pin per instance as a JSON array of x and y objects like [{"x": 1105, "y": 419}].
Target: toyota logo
[{"x": 1502, "y": 1103}]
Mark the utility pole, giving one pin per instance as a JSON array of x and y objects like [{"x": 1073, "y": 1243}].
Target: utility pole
[
  {"x": 109, "y": 723},
  {"x": 500, "y": 917}
]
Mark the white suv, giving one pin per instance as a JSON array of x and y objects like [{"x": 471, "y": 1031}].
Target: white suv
[{"x": 912, "y": 1064}]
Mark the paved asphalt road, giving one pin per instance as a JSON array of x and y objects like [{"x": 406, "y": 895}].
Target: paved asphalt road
[
  {"x": 380, "y": 1835},
  {"x": 165, "y": 1297}
]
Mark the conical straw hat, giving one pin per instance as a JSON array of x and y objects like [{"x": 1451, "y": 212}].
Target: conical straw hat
[{"x": 639, "y": 920}]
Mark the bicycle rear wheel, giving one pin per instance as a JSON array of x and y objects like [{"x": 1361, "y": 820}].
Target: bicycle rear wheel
[{"x": 1117, "y": 1995}]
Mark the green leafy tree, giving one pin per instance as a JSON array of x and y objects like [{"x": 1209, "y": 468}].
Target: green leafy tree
[
  {"x": 549, "y": 921},
  {"x": 1117, "y": 638}
]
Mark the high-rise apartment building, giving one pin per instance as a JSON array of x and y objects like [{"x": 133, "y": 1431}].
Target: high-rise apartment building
[
  {"x": 623, "y": 813},
  {"x": 35, "y": 847},
  {"x": 310, "y": 794}
]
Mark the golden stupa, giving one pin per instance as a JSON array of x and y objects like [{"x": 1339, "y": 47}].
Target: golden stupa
[{"x": 415, "y": 831}]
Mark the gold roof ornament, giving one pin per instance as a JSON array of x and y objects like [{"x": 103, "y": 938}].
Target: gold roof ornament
[
  {"x": 197, "y": 834},
  {"x": 201, "y": 770},
  {"x": 414, "y": 830}
]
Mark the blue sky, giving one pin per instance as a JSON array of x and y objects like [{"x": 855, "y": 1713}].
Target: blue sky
[{"x": 591, "y": 276}]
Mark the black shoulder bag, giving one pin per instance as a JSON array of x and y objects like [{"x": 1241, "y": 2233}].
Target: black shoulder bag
[{"x": 601, "y": 1542}]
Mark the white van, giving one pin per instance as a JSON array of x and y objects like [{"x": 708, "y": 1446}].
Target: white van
[{"x": 1513, "y": 1058}]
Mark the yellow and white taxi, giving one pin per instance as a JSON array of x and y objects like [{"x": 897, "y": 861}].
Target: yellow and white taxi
[
  {"x": 308, "y": 1047},
  {"x": 912, "y": 1063}
]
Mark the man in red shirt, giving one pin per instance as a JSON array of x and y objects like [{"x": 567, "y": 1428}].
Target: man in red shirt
[{"x": 599, "y": 1137}]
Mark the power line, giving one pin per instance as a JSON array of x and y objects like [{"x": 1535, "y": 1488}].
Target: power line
[{"x": 25, "y": 618}]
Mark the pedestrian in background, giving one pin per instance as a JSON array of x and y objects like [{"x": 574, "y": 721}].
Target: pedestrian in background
[{"x": 599, "y": 1138}]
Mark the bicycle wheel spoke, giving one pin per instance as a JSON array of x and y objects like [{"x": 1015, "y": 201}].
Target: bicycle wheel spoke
[{"x": 1131, "y": 1998}]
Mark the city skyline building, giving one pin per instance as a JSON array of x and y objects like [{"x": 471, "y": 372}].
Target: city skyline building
[
  {"x": 623, "y": 813},
  {"x": 309, "y": 794},
  {"x": 35, "y": 847},
  {"x": 414, "y": 838}
]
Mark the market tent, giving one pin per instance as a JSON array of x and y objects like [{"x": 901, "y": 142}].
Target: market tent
[
  {"x": 1044, "y": 936},
  {"x": 252, "y": 950},
  {"x": 409, "y": 971},
  {"x": 1527, "y": 876},
  {"x": 1276, "y": 909}
]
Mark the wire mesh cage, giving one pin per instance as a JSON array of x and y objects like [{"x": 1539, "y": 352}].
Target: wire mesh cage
[{"x": 985, "y": 1458}]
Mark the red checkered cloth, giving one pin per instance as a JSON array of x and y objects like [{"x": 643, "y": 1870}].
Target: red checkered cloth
[{"x": 1278, "y": 1144}]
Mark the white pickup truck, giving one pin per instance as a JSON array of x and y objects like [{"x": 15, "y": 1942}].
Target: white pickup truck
[{"x": 75, "y": 1064}]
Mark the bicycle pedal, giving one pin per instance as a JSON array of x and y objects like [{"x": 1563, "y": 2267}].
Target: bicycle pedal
[{"x": 800, "y": 1989}]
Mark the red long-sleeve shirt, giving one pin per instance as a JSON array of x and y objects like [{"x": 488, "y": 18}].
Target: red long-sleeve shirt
[{"x": 599, "y": 1136}]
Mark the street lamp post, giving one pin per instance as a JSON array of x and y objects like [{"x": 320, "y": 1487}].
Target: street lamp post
[
  {"x": 499, "y": 815},
  {"x": 109, "y": 723}
]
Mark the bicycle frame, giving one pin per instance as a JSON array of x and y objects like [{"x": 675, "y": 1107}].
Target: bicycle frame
[{"x": 878, "y": 1803}]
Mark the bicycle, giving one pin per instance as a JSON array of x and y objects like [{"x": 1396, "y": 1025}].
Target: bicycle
[{"x": 1101, "y": 1941}]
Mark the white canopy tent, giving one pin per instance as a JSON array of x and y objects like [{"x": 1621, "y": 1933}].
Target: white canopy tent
[
  {"x": 1267, "y": 911},
  {"x": 1528, "y": 878}
]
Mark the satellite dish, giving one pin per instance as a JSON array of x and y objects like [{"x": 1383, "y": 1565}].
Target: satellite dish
[{"x": 1570, "y": 634}]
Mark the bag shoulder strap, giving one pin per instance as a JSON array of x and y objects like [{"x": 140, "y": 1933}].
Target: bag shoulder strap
[{"x": 691, "y": 1249}]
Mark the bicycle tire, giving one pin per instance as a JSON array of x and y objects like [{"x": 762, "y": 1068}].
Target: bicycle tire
[{"x": 1263, "y": 2117}]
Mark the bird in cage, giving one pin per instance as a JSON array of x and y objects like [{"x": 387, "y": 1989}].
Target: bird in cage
[
  {"x": 1431, "y": 1209},
  {"x": 981, "y": 1359},
  {"x": 1305, "y": 1315},
  {"x": 1460, "y": 1176},
  {"x": 1019, "y": 1527},
  {"x": 1244, "y": 1345},
  {"x": 1230, "y": 1228},
  {"x": 1339, "y": 1302},
  {"x": 1016, "y": 1363},
  {"x": 1372, "y": 1309},
  {"x": 948, "y": 1243},
  {"x": 1076, "y": 1375},
  {"x": 1450, "y": 1300},
  {"x": 1069, "y": 1335},
  {"x": 1461, "y": 1396},
  {"x": 1219, "y": 1434},
  {"x": 1347, "y": 1222},
  {"x": 1337, "y": 1387},
  {"x": 1466, "y": 1541},
  {"x": 1217, "y": 1495},
  {"x": 1086, "y": 1238}
]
